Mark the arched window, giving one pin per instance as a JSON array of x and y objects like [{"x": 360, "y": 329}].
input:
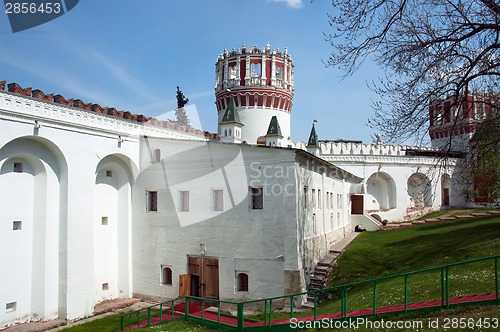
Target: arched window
[
  {"x": 166, "y": 275},
  {"x": 225, "y": 132},
  {"x": 242, "y": 282}
]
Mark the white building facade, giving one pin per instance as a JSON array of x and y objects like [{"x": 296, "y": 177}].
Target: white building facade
[
  {"x": 99, "y": 207},
  {"x": 101, "y": 204}
]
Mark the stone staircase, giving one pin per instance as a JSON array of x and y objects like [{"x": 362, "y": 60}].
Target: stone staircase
[{"x": 324, "y": 267}]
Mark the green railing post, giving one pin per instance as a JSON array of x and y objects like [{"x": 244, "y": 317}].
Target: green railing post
[
  {"x": 202, "y": 310},
  {"x": 240, "y": 317},
  {"x": 343, "y": 294},
  {"x": 161, "y": 313},
  {"x": 406, "y": 293},
  {"x": 265, "y": 312},
  {"x": 138, "y": 319},
  {"x": 186, "y": 308},
  {"x": 149, "y": 316},
  {"x": 496, "y": 281},
  {"x": 374, "y": 297},
  {"x": 442, "y": 287},
  {"x": 129, "y": 321},
  {"x": 172, "y": 309},
  {"x": 291, "y": 306},
  {"x": 315, "y": 305},
  {"x": 271, "y": 312},
  {"x": 447, "y": 287},
  {"x": 121, "y": 323}
]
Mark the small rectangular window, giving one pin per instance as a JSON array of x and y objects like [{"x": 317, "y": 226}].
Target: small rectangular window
[
  {"x": 319, "y": 199},
  {"x": 314, "y": 224},
  {"x": 17, "y": 225},
  {"x": 305, "y": 197},
  {"x": 109, "y": 174},
  {"x": 105, "y": 286},
  {"x": 18, "y": 167},
  {"x": 218, "y": 196},
  {"x": 256, "y": 198},
  {"x": 314, "y": 198},
  {"x": 104, "y": 221},
  {"x": 152, "y": 201},
  {"x": 10, "y": 307},
  {"x": 184, "y": 200},
  {"x": 156, "y": 155}
]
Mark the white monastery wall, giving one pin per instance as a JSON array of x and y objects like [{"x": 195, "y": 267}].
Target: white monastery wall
[
  {"x": 66, "y": 254},
  {"x": 323, "y": 210},
  {"x": 241, "y": 238}
]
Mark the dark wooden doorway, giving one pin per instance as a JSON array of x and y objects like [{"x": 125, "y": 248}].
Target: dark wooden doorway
[
  {"x": 204, "y": 276},
  {"x": 446, "y": 196},
  {"x": 357, "y": 204}
]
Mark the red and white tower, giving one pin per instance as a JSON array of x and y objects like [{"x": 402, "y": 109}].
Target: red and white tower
[
  {"x": 261, "y": 84},
  {"x": 453, "y": 120}
]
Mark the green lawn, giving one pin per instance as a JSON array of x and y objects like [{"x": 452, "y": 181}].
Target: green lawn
[{"x": 375, "y": 254}]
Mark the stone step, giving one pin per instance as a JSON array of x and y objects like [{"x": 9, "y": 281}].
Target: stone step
[
  {"x": 494, "y": 212},
  {"x": 308, "y": 306},
  {"x": 480, "y": 214},
  {"x": 447, "y": 218},
  {"x": 418, "y": 222},
  {"x": 432, "y": 220},
  {"x": 322, "y": 268},
  {"x": 464, "y": 216},
  {"x": 316, "y": 283}
]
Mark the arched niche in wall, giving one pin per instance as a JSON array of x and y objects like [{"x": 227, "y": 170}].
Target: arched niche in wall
[
  {"x": 381, "y": 192},
  {"x": 114, "y": 178},
  {"x": 33, "y": 199},
  {"x": 419, "y": 190}
]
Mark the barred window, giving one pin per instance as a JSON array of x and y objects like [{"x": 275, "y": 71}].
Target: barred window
[
  {"x": 166, "y": 275},
  {"x": 242, "y": 282},
  {"x": 256, "y": 198},
  {"x": 152, "y": 200}
]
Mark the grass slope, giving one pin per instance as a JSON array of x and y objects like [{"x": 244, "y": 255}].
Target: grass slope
[{"x": 376, "y": 254}]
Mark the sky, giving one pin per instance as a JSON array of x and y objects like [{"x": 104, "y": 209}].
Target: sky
[{"x": 132, "y": 54}]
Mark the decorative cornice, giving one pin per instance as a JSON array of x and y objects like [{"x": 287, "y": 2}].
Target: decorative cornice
[{"x": 26, "y": 109}]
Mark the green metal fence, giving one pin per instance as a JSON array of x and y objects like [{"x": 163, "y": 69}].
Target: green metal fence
[{"x": 470, "y": 282}]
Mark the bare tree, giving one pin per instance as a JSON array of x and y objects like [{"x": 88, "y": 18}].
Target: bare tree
[{"x": 432, "y": 51}]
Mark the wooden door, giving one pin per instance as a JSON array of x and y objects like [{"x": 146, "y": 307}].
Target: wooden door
[
  {"x": 206, "y": 271},
  {"x": 210, "y": 278},
  {"x": 357, "y": 204},
  {"x": 446, "y": 197},
  {"x": 184, "y": 285}
]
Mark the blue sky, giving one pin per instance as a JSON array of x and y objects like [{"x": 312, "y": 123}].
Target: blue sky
[{"x": 131, "y": 55}]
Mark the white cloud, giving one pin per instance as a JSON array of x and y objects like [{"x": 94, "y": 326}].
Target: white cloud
[{"x": 291, "y": 3}]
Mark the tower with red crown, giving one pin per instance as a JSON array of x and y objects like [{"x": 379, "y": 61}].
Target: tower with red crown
[{"x": 260, "y": 82}]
